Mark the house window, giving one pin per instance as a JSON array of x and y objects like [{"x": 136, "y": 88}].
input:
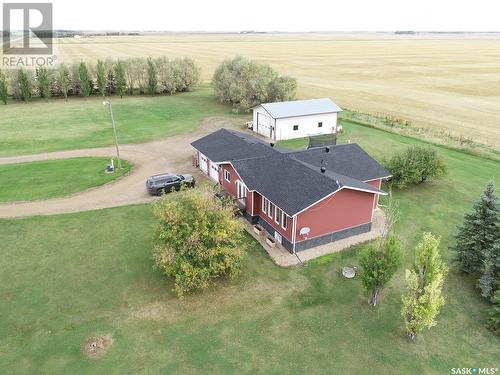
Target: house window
[
  {"x": 284, "y": 220},
  {"x": 227, "y": 175},
  {"x": 276, "y": 215},
  {"x": 264, "y": 205},
  {"x": 320, "y": 124},
  {"x": 270, "y": 210},
  {"x": 295, "y": 127}
]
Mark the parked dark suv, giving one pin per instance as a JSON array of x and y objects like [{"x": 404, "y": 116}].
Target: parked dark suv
[{"x": 163, "y": 183}]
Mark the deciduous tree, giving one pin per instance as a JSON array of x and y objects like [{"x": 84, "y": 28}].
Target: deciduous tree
[
  {"x": 379, "y": 264},
  {"x": 84, "y": 78},
  {"x": 101, "y": 77},
  {"x": 246, "y": 83},
  {"x": 43, "y": 81},
  {"x": 121, "y": 82},
  {"x": 63, "y": 77},
  {"x": 152, "y": 83},
  {"x": 424, "y": 282},
  {"x": 198, "y": 239},
  {"x": 3, "y": 88},
  {"x": 24, "y": 82}
]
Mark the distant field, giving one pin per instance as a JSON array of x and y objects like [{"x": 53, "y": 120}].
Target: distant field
[{"x": 449, "y": 84}]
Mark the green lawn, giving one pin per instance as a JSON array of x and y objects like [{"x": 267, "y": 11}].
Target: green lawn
[
  {"x": 79, "y": 123},
  {"x": 54, "y": 178},
  {"x": 64, "y": 278}
]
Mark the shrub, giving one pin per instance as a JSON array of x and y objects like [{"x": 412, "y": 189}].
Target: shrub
[
  {"x": 198, "y": 240},
  {"x": 246, "y": 83},
  {"x": 415, "y": 165}
]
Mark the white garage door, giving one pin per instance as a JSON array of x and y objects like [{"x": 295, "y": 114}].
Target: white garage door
[
  {"x": 264, "y": 124},
  {"x": 203, "y": 163},
  {"x": 214, "y": 171}
]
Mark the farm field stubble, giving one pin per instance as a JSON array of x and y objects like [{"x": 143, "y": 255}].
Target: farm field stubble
[{"x": 450, "y": 84}]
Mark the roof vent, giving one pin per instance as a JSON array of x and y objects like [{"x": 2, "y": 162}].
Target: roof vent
[
  {"x": 327, "y": 149},
  {"x": 271, "y": 144},
  {"x": 323, "y": 169}
]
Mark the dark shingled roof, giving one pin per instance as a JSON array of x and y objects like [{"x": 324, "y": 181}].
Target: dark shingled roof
[
  {"x": 292, "y": 180},
  {"x": 289, "y": 184},
  {"x": 348, "y": 159},
  {"x": 226, "y": 145}
]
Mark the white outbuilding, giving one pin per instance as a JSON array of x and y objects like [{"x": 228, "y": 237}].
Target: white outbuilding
[{"x": 296, "y": 119}]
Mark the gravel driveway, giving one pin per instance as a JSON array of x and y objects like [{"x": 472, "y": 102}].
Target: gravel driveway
[{"x": 172, "y": 154}]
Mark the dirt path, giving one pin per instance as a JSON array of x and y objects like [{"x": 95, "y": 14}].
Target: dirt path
[{"x": 166, "y": 155}]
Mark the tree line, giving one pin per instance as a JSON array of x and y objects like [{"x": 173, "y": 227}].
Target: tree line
[{"x": 106, "y": 77}]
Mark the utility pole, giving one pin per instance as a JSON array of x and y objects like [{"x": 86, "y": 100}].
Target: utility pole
[{"x": 108, "y": 103}]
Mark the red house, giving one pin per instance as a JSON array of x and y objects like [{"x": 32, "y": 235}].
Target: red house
[{"x": 304, "y": 198}]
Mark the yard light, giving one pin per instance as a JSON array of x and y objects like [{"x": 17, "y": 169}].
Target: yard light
[{"x": 108, "y": 103}]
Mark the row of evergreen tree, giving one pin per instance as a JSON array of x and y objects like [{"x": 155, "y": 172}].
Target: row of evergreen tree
[
  {"x": 108, "y": 77},
  {"x": 477, "y": 250}
]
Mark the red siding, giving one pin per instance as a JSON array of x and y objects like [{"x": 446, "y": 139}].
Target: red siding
[
  {"x": 231, "y": 186},
  {"x": 377, "y": 184},
  {"x": 258, "y": 211},
  {"x": 345, "y": 209}
]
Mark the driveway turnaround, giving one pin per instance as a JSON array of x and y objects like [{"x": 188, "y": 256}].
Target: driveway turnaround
[{"x": 171, "y": 154}]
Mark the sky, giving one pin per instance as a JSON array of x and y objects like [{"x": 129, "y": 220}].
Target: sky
[{"x": 272, "y": 15}]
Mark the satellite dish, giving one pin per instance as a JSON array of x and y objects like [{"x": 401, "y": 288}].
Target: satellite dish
[{"x": 304, "y": 231}]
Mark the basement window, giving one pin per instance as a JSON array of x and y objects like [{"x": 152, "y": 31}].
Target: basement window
[
  {"x": 295, "y": 127},
  {"x": 320, "y": 124},
  {"x": 227, "y": 176}
]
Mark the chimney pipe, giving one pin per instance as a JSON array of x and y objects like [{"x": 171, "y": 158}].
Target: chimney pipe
[
  {"x": 327, "y": 149},
  {"x": 271, "y": 144},
  {"x": 323, "y": 169}
]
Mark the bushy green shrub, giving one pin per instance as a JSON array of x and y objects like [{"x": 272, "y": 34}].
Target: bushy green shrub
[
  {"x": 198, "y": 240},
  {"x": 415, "y": 165}
]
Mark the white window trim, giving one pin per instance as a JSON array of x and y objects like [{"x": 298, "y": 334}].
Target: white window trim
[
  {"x": 276, "y": 215},
  {"x": 264, "y": 205},
  {"x": 226, "y": 173},
  {"x": 283, "y": 218},
  {"x": 270, "y": 210}
]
